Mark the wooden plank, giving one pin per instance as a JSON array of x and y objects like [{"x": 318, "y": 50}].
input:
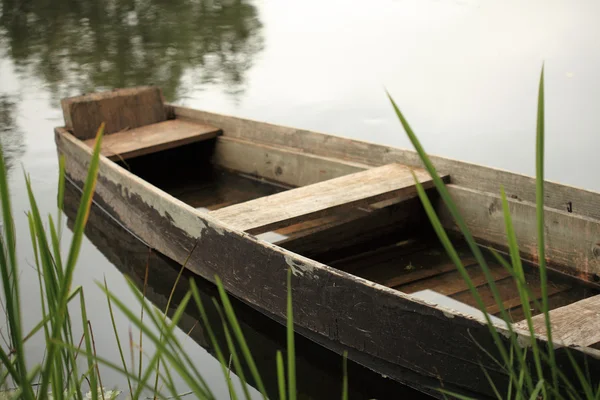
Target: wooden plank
[
  {"x": 318, "y": 369},
  {"x": 279, "y": 164},
  {"x": 350, "y": 231},
  {"x": 571, "y": 240},
  {"x": 451, "y": 282},
  {"x": 404, "y": 333},
  {"x": 311, "y": 201},
  {"x": 154, "y": 138},
  {"x": 417, "y": 274},
  {"x": 561, "y": 197},
  {"x": 119, "y": 109},
  {"x": 515, "y": 300},
  {"x": 577, "y": 324}
]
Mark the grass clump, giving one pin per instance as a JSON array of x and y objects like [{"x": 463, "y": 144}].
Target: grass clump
[
  {"x": 545, "y": 379},
  {"x": 70, "y": 366}
]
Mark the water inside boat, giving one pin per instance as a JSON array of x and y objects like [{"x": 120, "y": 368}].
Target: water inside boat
[{"x": 389, "y": 242}]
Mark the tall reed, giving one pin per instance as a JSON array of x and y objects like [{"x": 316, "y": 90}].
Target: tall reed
[
  {"x": 60, "y": 375},
  {"x": 524, "y": 382}
]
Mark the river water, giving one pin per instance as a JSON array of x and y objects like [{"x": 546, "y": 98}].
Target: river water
[{"x": 464, "y": 72}]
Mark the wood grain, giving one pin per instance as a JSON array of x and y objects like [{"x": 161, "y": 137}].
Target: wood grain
[
  {"x": 279, "y": 164},
  {"x": 570, "y": 239},
  {"x": 365, "y": 318},
  {"x": 451, "y": 282},
  {"x": 310, "y": 201},
  {"x": 153, "y": 138},
  {"x": 561, "y": 197},
  {"x": 577, "y": 324},
  {"x": 119, "y": 109}
]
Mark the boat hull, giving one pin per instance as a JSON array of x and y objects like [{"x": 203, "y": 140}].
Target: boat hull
[{"x": 373, "y": 322}]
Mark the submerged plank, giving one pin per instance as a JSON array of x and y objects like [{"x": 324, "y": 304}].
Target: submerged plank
[
  {"x": 153, "y": 138},
  {"x": 307, "y": 202},
  {"x": 577, "y": 324},
  {"x": 118, "y": 109}
]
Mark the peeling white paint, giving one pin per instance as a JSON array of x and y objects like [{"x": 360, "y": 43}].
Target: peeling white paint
[
  {"x": 180, "y": 216},
  {"x": 448, "y": 315},
  {"x": 297, "y": 268},
  {"x": 217, "y": 228}
]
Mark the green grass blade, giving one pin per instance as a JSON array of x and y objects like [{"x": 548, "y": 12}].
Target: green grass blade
[
  {"x": 583, "y": 380},
  {"x": 82, "y": 215},
  {"x": 291, "y": 352},
  {"x": 119, "y": 347},
  {"x": 85, "y": 205},
  {"x": 55, "y": 244},
  {"x": 345, "y": 377},
  {"x": 240, "y": 337},
  {"x": 492, "y": 385},
  {"x": 451, "y": 251},
  {"x": 280, "y": 376},
  {"x": 93, "y": 378},
  {"x": 108, "y": 364},
  {"x": 539, "y": 196},
  {"x": 61, "y": 192},
  {"x": 159, "y": 321},
  {"x": 211, "y": 334},
  {"x": 10, "y": 276},
  {"x": 234, "y": 356},
  {"x": 523, "y": 294},
  {"x": 460, "y": 222},
  {"x": 455, "y": 395},
  {"x": 536, "y": 392},
  {"x": 159, "y": 341}
]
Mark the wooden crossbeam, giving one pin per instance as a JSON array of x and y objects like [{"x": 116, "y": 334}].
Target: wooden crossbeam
[
  {"x": 153, "y": 138},
  {"x": 576, "y": 324},
  {"x": 312, "y": 201}
]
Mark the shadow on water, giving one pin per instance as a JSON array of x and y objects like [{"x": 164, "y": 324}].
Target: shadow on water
[
  {"x": 78, "y": 46},
  {"x": 319, "y": 370}
]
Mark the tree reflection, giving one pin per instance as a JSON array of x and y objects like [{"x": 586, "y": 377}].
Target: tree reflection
[
  {"x": 11, "y": 139},
  {"x": 77, "y": 46}
]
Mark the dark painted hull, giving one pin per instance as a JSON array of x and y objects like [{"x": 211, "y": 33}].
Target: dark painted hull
[{"x": 379, "y": 326}]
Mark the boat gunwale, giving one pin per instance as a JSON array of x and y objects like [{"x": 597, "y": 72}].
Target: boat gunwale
[
  {"x": 404, "y": 301},
  {"x": 410, "y": 157}
]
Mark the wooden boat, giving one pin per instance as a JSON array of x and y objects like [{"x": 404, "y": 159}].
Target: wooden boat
[
  {"x": 248, "y": 201},
  {"x": 319, "y": 369}
]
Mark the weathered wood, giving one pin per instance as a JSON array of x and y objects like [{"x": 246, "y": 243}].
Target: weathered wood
[
  {"x": 423, "y": 273},
  {"x": 451, "y": 283},
  {"x": 561, "y": 197},
  {"x": 279, "y": 164},
  {"x": 347, "y": 233},
  {"x": 570, "y": 239},
  {"x": 318, "y": 369},
  {"x": 153, "y": 138},
  {"x": 577, "y": 324},
  {"x": 119, "y": 109},
  {"x": 369, "y": 318},
  {"x": 285, "y": 208}
]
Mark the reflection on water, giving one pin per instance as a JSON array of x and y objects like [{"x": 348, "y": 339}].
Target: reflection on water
[
  {"x": 80, "y": 46},
  {"x": 319, "y": 370},
  {"x": 11, "y": 139}
]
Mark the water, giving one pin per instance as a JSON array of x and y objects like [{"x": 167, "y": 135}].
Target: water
[{"x": 464, "y": 72}]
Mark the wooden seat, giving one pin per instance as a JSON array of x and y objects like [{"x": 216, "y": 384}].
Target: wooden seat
[
  {"x": 153, "y": 138},
  {"x": 312, "y": 201},
  {"x": 577, "y": 324}
]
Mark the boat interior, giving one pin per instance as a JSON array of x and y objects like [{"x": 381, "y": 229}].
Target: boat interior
[{"x": 363, "y": 219}]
